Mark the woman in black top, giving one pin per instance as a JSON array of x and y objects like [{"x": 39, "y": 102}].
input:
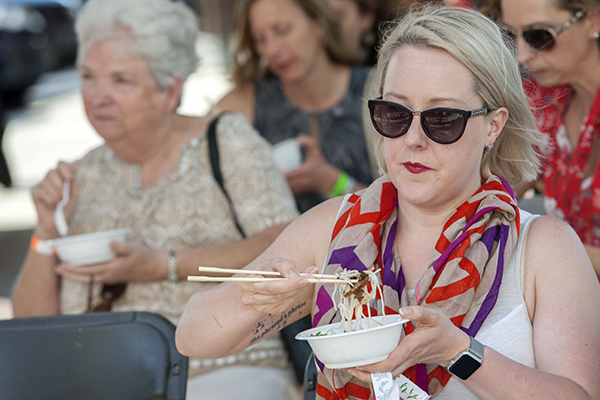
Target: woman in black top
[{"x": 294, "y": 80}]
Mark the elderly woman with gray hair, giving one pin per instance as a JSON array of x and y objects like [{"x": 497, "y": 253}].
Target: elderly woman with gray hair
[{"x": 153, "y": 175}]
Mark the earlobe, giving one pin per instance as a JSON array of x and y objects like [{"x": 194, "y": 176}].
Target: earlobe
[
  {"x": 593, "y": 16},
  {"x": 497, "y": 121},
  {"x": 174, "y": 93}
]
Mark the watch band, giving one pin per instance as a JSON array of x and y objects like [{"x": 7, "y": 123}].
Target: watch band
[
  {"x": 173, "y": 273},
  {"x": 42, "y": 247},
  {"x": 467, "y": 362}
]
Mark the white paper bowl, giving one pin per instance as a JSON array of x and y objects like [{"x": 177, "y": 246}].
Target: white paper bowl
[
  {"x": 352, "y": 349},
  {"x": 90, "y": 248}
]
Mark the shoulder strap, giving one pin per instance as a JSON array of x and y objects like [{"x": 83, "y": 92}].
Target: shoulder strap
[
  {"x": 523, "y": 238},
  {"x": 213, "y": 152}
]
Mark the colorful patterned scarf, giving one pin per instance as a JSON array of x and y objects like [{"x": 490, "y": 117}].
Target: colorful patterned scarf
[{"x": 462, "y": 281}]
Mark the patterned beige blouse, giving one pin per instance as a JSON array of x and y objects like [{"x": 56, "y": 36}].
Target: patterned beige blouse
[{"x": 187, "y": 209}]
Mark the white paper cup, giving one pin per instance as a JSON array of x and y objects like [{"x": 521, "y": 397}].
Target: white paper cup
[{"x": 287, "y": 154}]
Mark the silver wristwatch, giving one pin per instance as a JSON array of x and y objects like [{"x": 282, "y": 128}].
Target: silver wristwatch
[
  {"x": 467, "y": 362},
  {"x": 173, "y": 274}
]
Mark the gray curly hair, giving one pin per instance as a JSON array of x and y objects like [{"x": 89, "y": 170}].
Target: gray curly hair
[{"x": 164, "y": 32}]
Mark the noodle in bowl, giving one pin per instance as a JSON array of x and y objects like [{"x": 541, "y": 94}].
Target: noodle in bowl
[
  {"x": 357, "y": 339},
  {"x": 338, "y": 347}
]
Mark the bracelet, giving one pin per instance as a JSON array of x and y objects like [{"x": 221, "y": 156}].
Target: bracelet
[
  {"x": 42, "y": 247},
  {"x": 343, "y": 185},
  {"x": 173, "y": 274}
]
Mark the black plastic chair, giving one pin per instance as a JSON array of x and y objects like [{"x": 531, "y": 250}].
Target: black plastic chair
[
  {"x": 113, "y": 355},
  {"x": 311, "y": 375}
]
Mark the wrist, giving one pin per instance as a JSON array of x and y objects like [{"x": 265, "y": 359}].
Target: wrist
[
  {"x": 330, "y": 176},
  {"x": 41, "y": 246},
  {"x": 461, "y": 344},
  {"x": 465, "y": 363},
  {"x": 344, "y": 185},
  {"x": 45, "y": 234},
  {"x": 172, "y": 266}
]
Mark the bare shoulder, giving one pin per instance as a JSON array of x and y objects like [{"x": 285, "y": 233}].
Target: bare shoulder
[
  {"x": 553, "y": 250},
  {"x": 556, "y": 263},
  {"x": 563, "y": 297},
  {"x": 554, "y": 241},
  {"x": 240, "y": 99}
]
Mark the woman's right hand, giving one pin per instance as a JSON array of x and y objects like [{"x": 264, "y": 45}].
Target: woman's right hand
[
  {"x": 276, "y": 296},
  {"x": 46, "y": 196}
]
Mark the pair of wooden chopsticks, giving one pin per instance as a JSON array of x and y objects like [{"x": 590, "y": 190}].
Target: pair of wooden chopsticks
[{"x": 314, "y": 278}]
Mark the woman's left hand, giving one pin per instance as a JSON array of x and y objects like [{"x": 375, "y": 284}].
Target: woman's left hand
[
  {"x": 134, "y": 263},
  {"x": 435, "y": 340},
  {"x": 315, "y": 174}
]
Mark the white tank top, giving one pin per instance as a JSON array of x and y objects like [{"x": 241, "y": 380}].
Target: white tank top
[{"x": 507, "y": 329}]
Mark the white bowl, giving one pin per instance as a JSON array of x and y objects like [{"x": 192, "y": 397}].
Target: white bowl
[
  {"x": 352, "y": 349},
  {"x": 89, "y": 248}
]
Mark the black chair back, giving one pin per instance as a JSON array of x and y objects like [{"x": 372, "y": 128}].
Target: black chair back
[
  {"x": 112, "y": 355},
  {"x": 311, "y": 375}
]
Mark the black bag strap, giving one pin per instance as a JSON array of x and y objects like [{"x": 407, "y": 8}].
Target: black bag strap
[
  {"x": 299, "y": 351},
  {"x": 213, "y": 151}
]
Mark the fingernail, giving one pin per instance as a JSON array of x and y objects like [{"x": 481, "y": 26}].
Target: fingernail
[
  {"x": 352, "y": 372},
  {"x": 293, "y": 273},
  {"x": 405, "y": 312}
]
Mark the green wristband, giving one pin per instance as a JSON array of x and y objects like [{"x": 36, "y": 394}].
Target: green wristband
[{"x": 340, "y": 185}]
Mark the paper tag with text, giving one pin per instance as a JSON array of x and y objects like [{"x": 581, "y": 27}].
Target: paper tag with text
[{"x": 384, "y": 386}]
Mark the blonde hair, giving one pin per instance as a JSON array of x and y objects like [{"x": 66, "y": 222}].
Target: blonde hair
[
  {"x": 477, "y": 43},
  {"x": 246, "y": 63}
]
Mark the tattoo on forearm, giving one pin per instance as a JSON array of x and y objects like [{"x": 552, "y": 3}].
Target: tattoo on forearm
[{"x": 261, "y": 330}]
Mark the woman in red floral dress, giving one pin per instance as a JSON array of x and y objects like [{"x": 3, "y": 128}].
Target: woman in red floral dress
[{"x": 557, "y": 43}]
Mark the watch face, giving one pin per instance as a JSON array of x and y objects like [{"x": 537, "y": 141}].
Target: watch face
[{"x": 465, "y": 366}]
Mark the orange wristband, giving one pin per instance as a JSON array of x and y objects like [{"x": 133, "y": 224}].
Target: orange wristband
[{"x": 41, "y": 246}]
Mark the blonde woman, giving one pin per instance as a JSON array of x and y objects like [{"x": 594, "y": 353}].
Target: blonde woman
[{"x": 473, "y": 272}]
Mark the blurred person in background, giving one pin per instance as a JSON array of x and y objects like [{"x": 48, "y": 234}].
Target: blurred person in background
[
  {"x": 359, "y": 28},
  {"x": 294, "y": 79},
  {"x": 153, "y": 175},
  {"x": 557, "y": 43}
]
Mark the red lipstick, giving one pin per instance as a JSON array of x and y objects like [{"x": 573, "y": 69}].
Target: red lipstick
[{"x": 415, "y": 168}]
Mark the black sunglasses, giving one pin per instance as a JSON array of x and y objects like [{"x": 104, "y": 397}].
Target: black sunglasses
[
  {"x": 543, "y": 38},
  {"x": 444, "y": 125}
]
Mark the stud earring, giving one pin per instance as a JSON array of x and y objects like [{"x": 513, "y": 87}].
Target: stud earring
[
  {"x": 596, "y": 35},
  {"x": 490, "y": 146}
]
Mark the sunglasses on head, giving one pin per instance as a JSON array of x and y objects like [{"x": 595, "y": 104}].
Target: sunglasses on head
[
  {"x": 543, "y": 38},
  {"x": 444, "y": 125}
]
